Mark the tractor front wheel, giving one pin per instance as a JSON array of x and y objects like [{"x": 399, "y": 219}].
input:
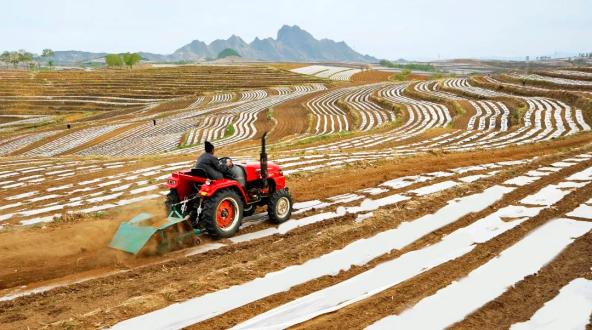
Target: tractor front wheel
[
  {"x": 222, "y": 214},
  {"x": 279, "y": 206}
]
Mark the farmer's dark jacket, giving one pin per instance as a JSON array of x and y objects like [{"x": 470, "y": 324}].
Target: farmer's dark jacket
[{"x": 212, "y": 166}]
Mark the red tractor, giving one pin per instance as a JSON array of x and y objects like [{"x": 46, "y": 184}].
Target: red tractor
[
  {"x": 218, "y": 206},
  {"x": 197, "y": 204}
]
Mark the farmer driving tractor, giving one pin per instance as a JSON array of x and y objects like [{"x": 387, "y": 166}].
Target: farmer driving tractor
[{"x": 214, "y": 168}]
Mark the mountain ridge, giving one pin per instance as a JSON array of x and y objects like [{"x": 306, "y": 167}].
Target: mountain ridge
[{"x": 291, "y": 44}]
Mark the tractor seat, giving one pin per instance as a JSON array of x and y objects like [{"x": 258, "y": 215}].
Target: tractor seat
[
  {"x": 238, "y": 174},
  {"x": 200, "y": 172}
]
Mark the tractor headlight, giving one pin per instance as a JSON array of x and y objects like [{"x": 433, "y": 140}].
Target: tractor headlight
[
  {"x": 172, "y": 182},
  {"x": 208, "y": 181}
]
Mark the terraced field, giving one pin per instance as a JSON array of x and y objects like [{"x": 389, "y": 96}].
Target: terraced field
[
  {"x": 326, "y": 71},
  {"x": 448, "y": 203},
  {"x": 56, "y": 92}
]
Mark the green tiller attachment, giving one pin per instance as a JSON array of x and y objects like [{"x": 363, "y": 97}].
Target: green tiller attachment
[{"x": 134, "y": 235}]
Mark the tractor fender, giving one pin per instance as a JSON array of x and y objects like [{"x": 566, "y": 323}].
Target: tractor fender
[
  {"x": 173, "y": 181},
  {"x": 208, "y": 190},
  {"x": 279, "y": 181},
  {"x": 182, "y": 183}
]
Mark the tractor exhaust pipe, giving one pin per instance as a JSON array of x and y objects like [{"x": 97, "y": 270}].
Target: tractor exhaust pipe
[{"x": 263, "y": 160}]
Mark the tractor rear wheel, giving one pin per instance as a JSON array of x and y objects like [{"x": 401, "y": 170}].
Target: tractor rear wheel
[
  {"x": 222, "y": 214},
  {"x": 279, "y": 206},
  {"x": 172, "y": 198}
]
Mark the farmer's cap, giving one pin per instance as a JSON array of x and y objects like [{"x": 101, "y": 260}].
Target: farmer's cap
[{"x": 209, "y": 147}]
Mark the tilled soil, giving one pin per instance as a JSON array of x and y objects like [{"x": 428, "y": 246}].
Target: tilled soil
[
  {"x": 521, "y": 301},
  {"x": 371, "y": 76},
  {"x": 406, "y": 294},
  {"x": 106, "y": 300},
  {"x": 394, "y": 300},
  {"x": 292, "y": 117},
  {"x": 330, "y": 182},
  {"x": 67, "y": 249}
]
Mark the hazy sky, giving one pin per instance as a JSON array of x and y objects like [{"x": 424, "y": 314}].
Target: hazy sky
[{"x": 410, "y": 29}]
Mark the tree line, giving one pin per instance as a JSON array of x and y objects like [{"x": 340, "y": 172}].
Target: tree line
[
  {"x": 118, "y": 60},
  {"x": 409, "y": 66},
  {"x": 30, "y": 60},
  {"x": 22, "y": 56}
]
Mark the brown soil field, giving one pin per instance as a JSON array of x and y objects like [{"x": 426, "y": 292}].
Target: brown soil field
[
  {"x": 363, "y": 314},
  {"x": 175, "y": 269},
  {"x": 371, "y": 76},
  {"x": 292, "y": 117},
  {"x": 59, "y": 213},
  {"x": 463, "y": 120},
  {"x": 328, "y": 183}
]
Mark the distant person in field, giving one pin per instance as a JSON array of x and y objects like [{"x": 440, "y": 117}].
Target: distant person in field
[{"x": 211, "y": 165}]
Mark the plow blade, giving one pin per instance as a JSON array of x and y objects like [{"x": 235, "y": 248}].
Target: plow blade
[{"x": 142, "y": 234}]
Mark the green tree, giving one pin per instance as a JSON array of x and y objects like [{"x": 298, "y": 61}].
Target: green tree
[
  {"x": 48, "y": 53},
  {"x": 113, "y": 60},
  {"x": 403, "y": 75},
  {"x": 386, "y": 63},
  {"x": 25, "y": 56},
  {"x": 14, "y": 58},
  {"x": 411, "y": 66},
  {"x": 130, "y": 59},
  {"x": 5, "y": 57}
]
